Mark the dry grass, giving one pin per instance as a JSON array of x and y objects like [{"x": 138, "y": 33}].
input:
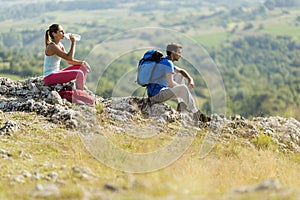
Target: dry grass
[{"x": 40, "y": 147}]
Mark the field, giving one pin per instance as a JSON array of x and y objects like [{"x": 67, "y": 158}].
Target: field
[{"x": 196, "y": 22}]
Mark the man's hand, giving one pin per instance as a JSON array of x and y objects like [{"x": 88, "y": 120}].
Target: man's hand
[{"x": 186, "y": 75}]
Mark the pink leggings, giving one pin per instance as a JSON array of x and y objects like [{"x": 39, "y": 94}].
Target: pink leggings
[{"x": 68, "y": 74}]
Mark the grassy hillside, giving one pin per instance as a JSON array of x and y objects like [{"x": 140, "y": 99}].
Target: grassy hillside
[
  {"x": 55, "y": 150},
  {"x": 42, "y": 160}
]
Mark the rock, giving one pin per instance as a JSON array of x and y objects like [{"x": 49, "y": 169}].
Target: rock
[
  {"x": 25, "y": 155},
  {"x": 54, "y": 98},
  {"x": 43, "y": 190},
  {"x": 5, "y": 154},
  {"x": 37, "y": 176},
  {"x": 26, "y": 174},
  {"x": 110, "y": 187},
  {"x": 266, "y": 185},
  {"x": 32, "y": 95},
  {"x": 83, "y": 172},
  {"x": 9, "y": 128},
  {"x": 16, "y": 179},
  {"x": 268, "y": 188},
  {"x": 52, "y": 176},
  {"x": 124, "y": 108}
]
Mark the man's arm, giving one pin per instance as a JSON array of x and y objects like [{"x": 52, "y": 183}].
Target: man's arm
[
  {"x": 170, "y": 81},
  {"x": 186, "y": 75}
]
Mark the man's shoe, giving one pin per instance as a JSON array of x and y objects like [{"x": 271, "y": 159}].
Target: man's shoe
[
  {"x": 198, "y": 116},
  {"x": 144, "y": 104},
  {"x": 181, "y": 107},
  {"x": 203, "y": 118}
]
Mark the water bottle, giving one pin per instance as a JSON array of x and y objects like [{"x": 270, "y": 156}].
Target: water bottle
[{"x": 76, "y": 36}]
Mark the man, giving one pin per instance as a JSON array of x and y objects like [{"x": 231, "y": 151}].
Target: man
[{"x": 167, "y": 83}]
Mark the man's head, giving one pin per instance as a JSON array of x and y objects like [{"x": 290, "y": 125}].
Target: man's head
[{"x": 174, "y": 51}]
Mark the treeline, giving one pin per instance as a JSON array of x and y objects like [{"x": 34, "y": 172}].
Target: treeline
[
  {"x": 14, "y": 62},
  {"x": 27, "y": 38},
  {"x": 261, "y": 75},
  {"x": 271, "y": 4},
  {"x": 25, "y": 64},
  {"x": 36, "y": 9},
  {"x": 29, "y": 10}
]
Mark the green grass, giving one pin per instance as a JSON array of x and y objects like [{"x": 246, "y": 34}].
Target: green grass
[
  {"x": 11, "y": 76},
  {"x": 213, "y": 39},
  {"x": 282, "y": 29},
  {"x": 264, "y": 141}
]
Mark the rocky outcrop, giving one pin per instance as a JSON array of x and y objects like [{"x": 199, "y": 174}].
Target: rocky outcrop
[{"x": 32, "y": 95}]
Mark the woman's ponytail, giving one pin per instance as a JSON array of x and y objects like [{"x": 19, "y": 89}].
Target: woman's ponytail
[
  {"x": 47, "y": 38},
  {"x": 48, "y": 35}
]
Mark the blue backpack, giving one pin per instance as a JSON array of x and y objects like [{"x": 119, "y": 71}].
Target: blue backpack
[{"x": 147, "y": 66}]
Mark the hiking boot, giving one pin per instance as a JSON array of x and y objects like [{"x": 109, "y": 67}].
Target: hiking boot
[
  {"x": 204, "y": 118},
  {"x": 181, "y": 107},
  {"x": 144, "y": 105},
  {"x": 198, "y": 116}
]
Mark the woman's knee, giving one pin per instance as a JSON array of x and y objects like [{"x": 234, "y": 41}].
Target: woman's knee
[{"x": 80, "y": 77}]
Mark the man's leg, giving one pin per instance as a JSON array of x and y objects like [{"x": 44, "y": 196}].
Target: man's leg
[
  {"x": 183, "y": 92},
  {"x": 164, "y": 95},
  {"x": 178, "y": 78},
  {"x": 179, "y": 91}
]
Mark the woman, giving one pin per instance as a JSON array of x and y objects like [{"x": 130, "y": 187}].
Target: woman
[{"x": 54, "y": 52}]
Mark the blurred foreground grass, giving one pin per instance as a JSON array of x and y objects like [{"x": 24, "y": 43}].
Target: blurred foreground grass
[{"x": 42, "y": 153}]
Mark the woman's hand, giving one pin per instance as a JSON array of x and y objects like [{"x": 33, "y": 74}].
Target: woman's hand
[{"x": 72, "y": 38}]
